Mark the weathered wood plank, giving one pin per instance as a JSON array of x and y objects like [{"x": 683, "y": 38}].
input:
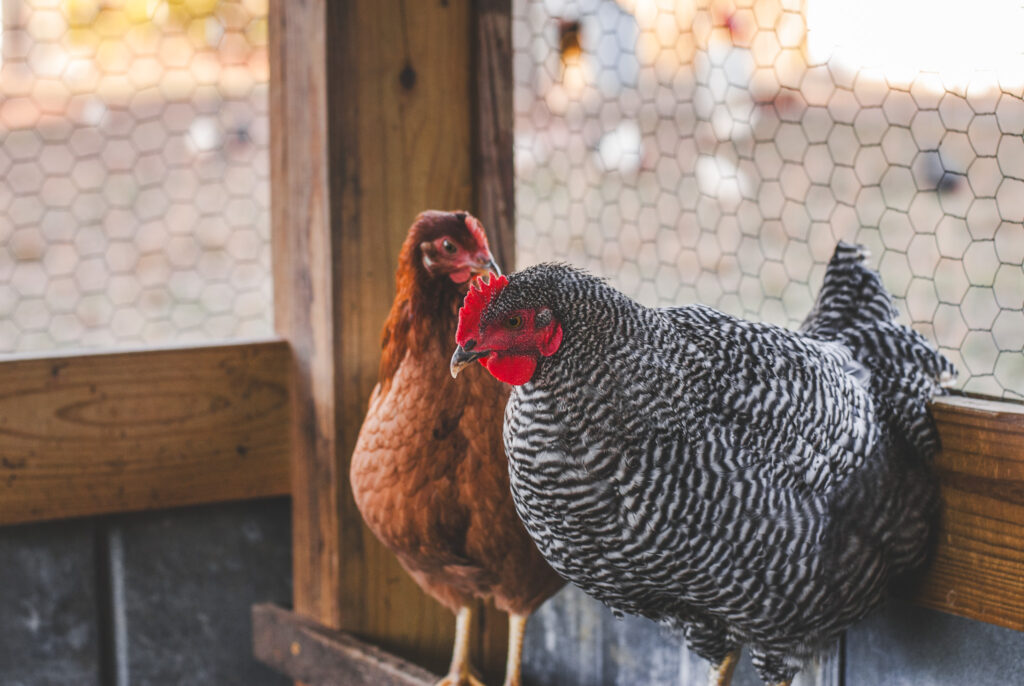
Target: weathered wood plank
[
  {"x": 303, "y": 650},
  {"x": 493, "y": 169},
  {"x": 494, "y": 204},
  {"x": 301, "y": 249},
  {"x": 978, "y": 571},
  {"x": 113, "y": 432},
  {"x": 400, "y": 114},
  {"x": 369, "y": 127}
]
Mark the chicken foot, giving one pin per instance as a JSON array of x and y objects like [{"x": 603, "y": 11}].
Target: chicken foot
[
  {"x": 516, "y": 630},
  {"x": 721, "y": 674},
  {"x": 459, "y": 673}
]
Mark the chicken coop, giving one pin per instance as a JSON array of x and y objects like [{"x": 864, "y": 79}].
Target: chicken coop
[{"x": 202, "y": 207}]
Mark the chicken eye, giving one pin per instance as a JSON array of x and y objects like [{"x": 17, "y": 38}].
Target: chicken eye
[
  {"x": 448, "y": 246},
  {"x": 514, "y": 322}
]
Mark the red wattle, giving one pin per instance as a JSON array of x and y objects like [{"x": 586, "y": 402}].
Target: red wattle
[
  {"x": 461, "y": 275},
  {"x": 513, "y": 369}
]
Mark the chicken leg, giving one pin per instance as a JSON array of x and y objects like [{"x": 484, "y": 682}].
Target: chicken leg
[
  {"x": 516, "y": 630},
  {"x": 459, "y": 673},
  {"x": 721, "y": 674}
]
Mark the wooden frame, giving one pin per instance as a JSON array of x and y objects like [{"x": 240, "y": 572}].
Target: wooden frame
[{"x": 374, "y": 118}]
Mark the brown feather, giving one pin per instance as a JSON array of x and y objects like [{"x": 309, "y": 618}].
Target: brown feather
[{"x": 429, "y": 470}]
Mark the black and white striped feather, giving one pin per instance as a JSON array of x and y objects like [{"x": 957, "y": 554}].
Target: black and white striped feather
[{"x": 744, "y": 483}]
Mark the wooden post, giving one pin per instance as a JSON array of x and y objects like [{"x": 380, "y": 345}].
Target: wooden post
[
  {"x": 494, "y": 171},
  {"x": 373, "y": 114}
]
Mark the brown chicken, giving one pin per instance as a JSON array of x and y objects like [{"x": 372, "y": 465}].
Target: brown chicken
[{"x": 429, "y": 472}]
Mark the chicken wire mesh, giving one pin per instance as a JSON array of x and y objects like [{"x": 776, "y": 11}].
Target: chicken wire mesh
[
  {"x": 709, "y": 152},
  {"x": 135, "y": 166}
]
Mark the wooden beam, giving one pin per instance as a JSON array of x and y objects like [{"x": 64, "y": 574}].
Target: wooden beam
[
  {"x": 494, "y": 183},
  {"x": 301, "y": 649},
  {"x": 978, "y": 570},
  {"x": 372, "y": 121},
  {"x": 493, "y": 169},
  {"x": 302, "y": 252},
  {"x": 114, "y": 432}
]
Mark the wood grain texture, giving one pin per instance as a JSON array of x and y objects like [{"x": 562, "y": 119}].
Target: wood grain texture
[
  {"x": 301, "y": 649},
  {"x": 372, "y": 122},
  {"x": 493, "y": 171},
  {"x": 978, "y": 570},
  {"x": 301, "y": 248},
  {"x": 493, "y": 167},
  {"x": 114, "y": 432}
]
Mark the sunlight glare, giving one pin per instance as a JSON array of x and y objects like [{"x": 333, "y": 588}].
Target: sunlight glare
[{"x": 952, "y": 38}]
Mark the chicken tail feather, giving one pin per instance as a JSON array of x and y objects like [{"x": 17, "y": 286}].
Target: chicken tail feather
[{"x": 855, "y": 309}]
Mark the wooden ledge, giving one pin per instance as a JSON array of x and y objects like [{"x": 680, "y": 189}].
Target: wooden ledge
[
  {"x": 978, "y": 570},
  {"x": 304, "y": 651},
  {"x": 93, "y": 433}
]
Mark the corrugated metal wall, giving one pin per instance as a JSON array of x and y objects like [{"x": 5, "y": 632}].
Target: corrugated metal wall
[
  {"x": 150, "y": 599},
  {"x": 163, "y": 599},
  {"x": 575, "y": 641}
]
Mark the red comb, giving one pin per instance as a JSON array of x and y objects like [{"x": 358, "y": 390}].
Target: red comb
[
  {"x": 481, "y": 292},
  {"x": 477, "y": 230}
]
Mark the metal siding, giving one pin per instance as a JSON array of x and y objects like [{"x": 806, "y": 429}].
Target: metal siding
[
  {"x": 575, "y": 641},
  {"x": 190, "y": 578},
  {"x": 905, "y": 645},
  {"x": 48, "y": 599}
]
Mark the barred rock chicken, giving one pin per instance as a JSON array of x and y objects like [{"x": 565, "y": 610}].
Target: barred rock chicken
[
  {"x": 429, "y": 471},
  {"x": 746, "y": 484}
]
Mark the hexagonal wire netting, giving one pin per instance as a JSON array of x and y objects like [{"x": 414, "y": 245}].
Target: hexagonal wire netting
[
  {"x": 691, "y": 152},
  {"x": 712, "y": 152},
  {"x": 134, "y": 153}
]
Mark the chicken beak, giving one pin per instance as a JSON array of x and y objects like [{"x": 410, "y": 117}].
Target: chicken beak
[
  {"x": 462, "y": 358},
  {"x": 485, "y": 268}
]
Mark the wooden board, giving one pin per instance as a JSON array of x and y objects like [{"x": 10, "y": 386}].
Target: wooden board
[
  {"x": 114, "y": 432},
  {"x": 371, "y": 122},
  {"x": 978, "y": 571},
  {"x": 301, "y": 649},
  {"x": 494, "y": 180},
  {"x": 304, "y": 294},
  {"x": 493, "y": 169}
]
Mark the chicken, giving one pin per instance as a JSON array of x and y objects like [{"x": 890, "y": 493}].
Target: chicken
[
  {"x": 740, "y": 482},
  {"x": 429, "y": 472}
]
